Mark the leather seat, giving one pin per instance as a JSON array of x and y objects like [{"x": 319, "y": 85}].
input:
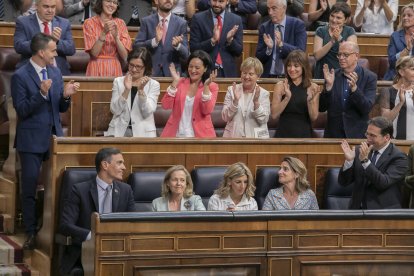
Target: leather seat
[
  {"x": 146, "y": 187},
  {"x": 266, "y": 179},
  {"x": 336, "y": 197},
  {"x": 206, "y": 180}
]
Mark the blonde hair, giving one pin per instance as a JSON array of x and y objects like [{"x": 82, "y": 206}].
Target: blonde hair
[
  {"x": 235, "y": 171},
  {"x": 402, "y": 63},
  {"x": 252, "y": 62},
  {"x": 166, "y": 192},
  {"x": 297, "y": 166},
  {"x": 408, "y": 6}
]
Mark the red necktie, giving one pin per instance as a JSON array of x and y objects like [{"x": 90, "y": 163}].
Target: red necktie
[
  {"x": 164, "y": 29},
  {"x": 220, "y": 25},
  {"x": 46, "y": 31}
]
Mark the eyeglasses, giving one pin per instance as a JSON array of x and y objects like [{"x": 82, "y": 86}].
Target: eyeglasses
[
  {"x": 112, "y": 2},
  {"x": 137, "y": 67},
  {"x": 344, "y": 55}
]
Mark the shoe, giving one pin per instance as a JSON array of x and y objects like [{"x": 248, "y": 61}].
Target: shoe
[{"x": 30, "y": 242}]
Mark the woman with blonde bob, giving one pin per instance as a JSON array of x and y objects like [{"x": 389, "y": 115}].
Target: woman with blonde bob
[
  {"x": 177, "y": 192},
  {"x": 396, "y": 101},
  {"x": 246, "y": 106},
  {"x": 236, "y": 191},
  {"x": 295, "y": 192}
]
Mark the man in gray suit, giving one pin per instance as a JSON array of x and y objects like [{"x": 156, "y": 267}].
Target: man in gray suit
[
  {"x": 376, "y": 168},
  {"x": 13, "y": 9},
  {"x": 164, "y": 34},
  {"x": 78, "y": 11}
]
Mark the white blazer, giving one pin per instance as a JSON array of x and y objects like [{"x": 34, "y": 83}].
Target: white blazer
[
  {"x": 237, "y": 121},
  {"x": 141, "y": 113}
]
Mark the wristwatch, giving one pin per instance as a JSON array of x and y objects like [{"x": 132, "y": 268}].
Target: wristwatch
[{"x": 363, "y": 161}]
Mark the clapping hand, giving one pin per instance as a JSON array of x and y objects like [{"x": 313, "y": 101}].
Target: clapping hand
[
  {"x": 45, "y": 86},
  {"x": 142, "y": 82},
  {"x": 212, "y": 78},
  {"x": 174, "y": 74},
  {"x": 176, "y": 40},
  {"x": 128, "y": 81},
  {"x": 159, "y": 31},
  {"x": 56, "y": 34},
  {"x": 287, "y": 93},
  {"x": 237, "y": 93},
  {"x": 349, "y": 152},
  {"x": 324, "y": 4},
  {"x": 231, "y": 33},
  {"x": 313, "y": 92},
  {"x": 364, "y": 150},
  {"x": 278, "y": 38},
  {"x": 71, "y": 88},
  {"x": 216, "y": 33},
  {"x": 329, "y": 76},
  {"x": 268, "y": 41},
  {"x": 352, "y": 79}
]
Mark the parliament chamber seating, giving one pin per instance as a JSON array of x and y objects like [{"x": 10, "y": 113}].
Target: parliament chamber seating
[
  {"x": 266, "y": 179},
  {"x": 146, "y": 186},
  {"x": 206, "y": 180},
  {"x": 336, "y": 197}
]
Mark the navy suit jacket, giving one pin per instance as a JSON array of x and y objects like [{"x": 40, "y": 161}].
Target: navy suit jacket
[
  {"x": 36, "y": 115},
  {"x": 244, "y": 7},
  {"x": 77, "y": 210},
  {"x": 28, "y": 26},
  {"x": 294, "y": 38},
  {"x": 202, "y": 25},
  {"x": 351, "y": 120},
  {"x": 163, "y": 54},
  {"x": 378, "y": 186},
  {"x": 395, "y": 46}
]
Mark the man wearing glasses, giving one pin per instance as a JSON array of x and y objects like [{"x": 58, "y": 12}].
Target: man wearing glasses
[
  {"x": 348, "y": 95},
  {"x": 376, "y": 168}
]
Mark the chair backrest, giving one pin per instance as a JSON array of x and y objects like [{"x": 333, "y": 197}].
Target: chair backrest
[
  {"x": 336, "y": 197},
  {"x": 206, "y": 180},
  {"x": 72, "y": 176},
  {"x": 146, "y": 187},
  {"x": 266, "y": 179}
]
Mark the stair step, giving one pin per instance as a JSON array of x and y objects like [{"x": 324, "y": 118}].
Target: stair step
[
  {"x": 17, "y": 270},
  {"x": 10, "y": 251}
]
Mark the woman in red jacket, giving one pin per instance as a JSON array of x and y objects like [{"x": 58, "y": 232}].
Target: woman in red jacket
[{"x": 191, "y": 99}]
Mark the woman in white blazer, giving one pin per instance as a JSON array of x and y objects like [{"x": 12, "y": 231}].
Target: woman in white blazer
[
  {"x": 246, "y": 105},
  {"x": 134, "y": 99}
]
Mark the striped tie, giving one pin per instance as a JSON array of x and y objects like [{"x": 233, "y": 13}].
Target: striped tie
[{"x": 2, "y": 10}]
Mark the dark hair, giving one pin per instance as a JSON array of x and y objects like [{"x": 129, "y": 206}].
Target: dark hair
[
  {"x": 384, "y": 124},
  {"x": 104, "y": 154},
  {"x": 300, "y": 57},
  {"x": 206, "y": 59},
  {"x": 341, "y": 7},
  {"x": 39, "y": 42},
  {"x": 98, "y": 8},
  {"x": 143, "y": 54}
]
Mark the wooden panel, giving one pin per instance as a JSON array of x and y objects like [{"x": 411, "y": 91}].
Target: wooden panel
[
  {"x": 319, "y": 241},
  {"x": 110, "y": 269},
  {"x": 112, "y": 245},
  {"x": 198, "y": 243},
  {"x": 280, "y": 267},
  {"x": 244, "y": 242},
  {"x": 281, "y": 241},
  {"x": 366, "y": 240},
  {"x": 401, "y": 240},
  {"x": 152, "y": 244}
]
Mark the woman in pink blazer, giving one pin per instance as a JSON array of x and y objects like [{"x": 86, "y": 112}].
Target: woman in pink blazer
[{"x": 191, "y": 99}]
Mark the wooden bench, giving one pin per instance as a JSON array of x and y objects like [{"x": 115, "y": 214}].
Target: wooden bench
[{"x": 280, "y": 243}]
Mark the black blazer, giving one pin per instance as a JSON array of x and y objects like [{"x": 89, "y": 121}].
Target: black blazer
[
  {"x": 77, "y": 211},
  {"x": 379, "y": 186}
]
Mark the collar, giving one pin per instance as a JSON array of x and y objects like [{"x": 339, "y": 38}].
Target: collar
[
  {"x": 41, "y": 22},
  {"x": 101, "y": 184},
  {"x": 168, "y": 17},
  {"x": 244, "y": 201},
  {"x": 381, "y": 151},
  {"x": 36, "y": 66},
  {"x": 215, "y": 15},
  {"x": 281, "y": 23}
]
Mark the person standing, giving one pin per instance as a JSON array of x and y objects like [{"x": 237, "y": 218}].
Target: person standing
[
  {"x": 376, "y": 168},
  {"x": 220, "y": 34},
  {"x": 165, "y": 36},
  {"x": 44, "y": 21},
  {"x": 77, "y": 11},
  {"x": 38, "y": 96}
]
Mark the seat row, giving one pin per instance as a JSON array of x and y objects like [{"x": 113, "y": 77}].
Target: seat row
[{"x": 146, "y": 185}]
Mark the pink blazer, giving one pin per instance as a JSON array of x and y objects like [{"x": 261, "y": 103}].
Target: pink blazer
[{"x": 202, "y": 124}]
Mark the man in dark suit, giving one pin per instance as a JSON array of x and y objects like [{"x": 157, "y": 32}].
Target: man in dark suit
[
  {"x": 376, "y": 168},
  {"x": 165, "y": 35},
  {"x": 13, "y": 9},
  {"x": 38, "y": 97},
  {"x": 277, "y": 38},
  {"x": 240, "y": 7},
  {"x": 348, "y": 96},
  {"x": 220, "y": 34},
  {"x": 133, "y": 11},
  {"x": 45, "y": 21},
  {"x": 105, "y": 194}
]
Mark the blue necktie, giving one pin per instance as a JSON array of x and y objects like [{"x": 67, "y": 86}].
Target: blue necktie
[
  {"x": 374, "y": 157},
  {"x": 44, "y": 76}
]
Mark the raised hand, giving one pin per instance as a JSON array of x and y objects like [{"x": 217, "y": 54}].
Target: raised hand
[
  {"x": 313, "y": 92},
  {"x": 56, "y": 34},
  {"x": 268, "y": 41},
  {"x": 142, "y": 82},
  {"x": 45, "y": 86},
  {"x": 256, "y": 94},
  {"x": 113, "y": 29},
  {"x": 352, "y": 79},
  {"x": 348, "y": 152},
  {"x": 216, "y": 33},
  {"x": 278, "y": 38},
  {"x": 324, "y": 4},
  {"x": 237, "y": 93},
  {"x": 231, "y": 33},
  {"x": 401, "y": 93},
  {"x": 364, "y": 150},
  {"x": 212, "y": 77},
  {"x": 159, "y": 31},
  {"x": 176, "y": 40},
  {"x": 107, "y": 26},
  {"x": 286, "y": 86},
  {"x": 336, "y": 33},
  {"x": 71, "y": 88},
  {"x": 329, "y": 76},
  {"x": 174, "y": 74},
  {"x": 128, "y": 81}
]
